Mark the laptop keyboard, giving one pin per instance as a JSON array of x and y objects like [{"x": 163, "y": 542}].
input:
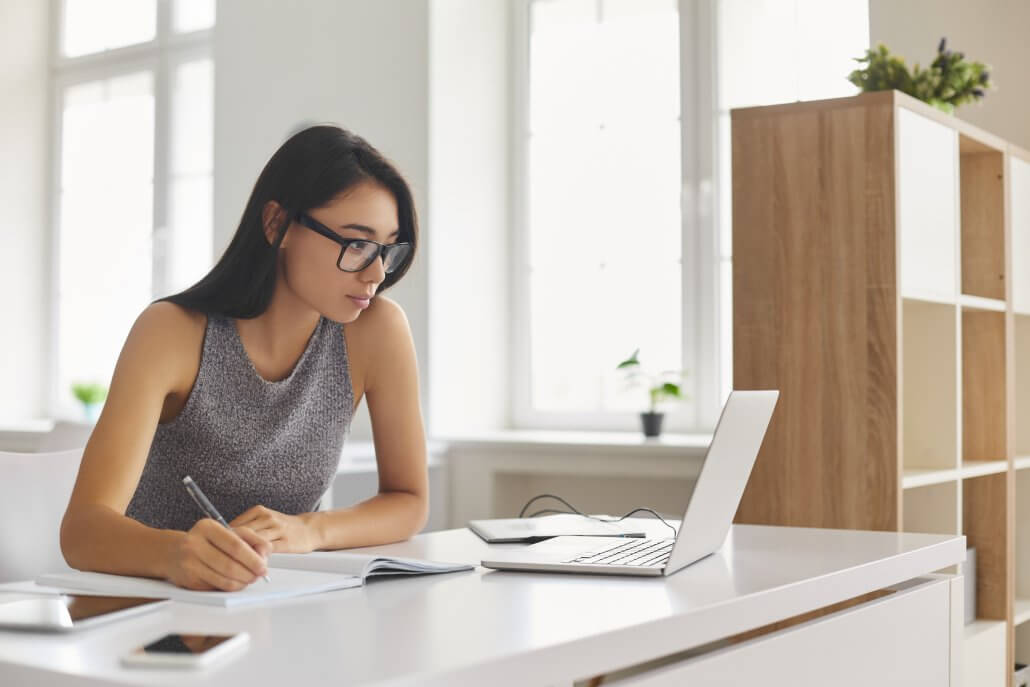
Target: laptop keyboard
[{"x": 646, "y": 553}]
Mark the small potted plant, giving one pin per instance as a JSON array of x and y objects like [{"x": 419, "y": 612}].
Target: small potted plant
[
  {"x": 950, "y": 80},
  {"x": 92, "y": 396},
  {"x": 660, "y": 387}
]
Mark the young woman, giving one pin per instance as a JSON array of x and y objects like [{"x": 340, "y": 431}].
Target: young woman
[{"x": 248, "y": 380}]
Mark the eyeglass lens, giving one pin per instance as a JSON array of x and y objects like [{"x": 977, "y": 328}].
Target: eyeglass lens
[{"x": 359, "y": 255}]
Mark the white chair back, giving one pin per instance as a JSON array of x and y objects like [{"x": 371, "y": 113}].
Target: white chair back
[{"x": 34, "y": 493}]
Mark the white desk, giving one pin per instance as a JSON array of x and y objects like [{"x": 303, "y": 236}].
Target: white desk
[{"x": 500, "y": 628}]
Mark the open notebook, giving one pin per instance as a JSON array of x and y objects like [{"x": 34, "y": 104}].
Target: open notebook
[
  {"x": 292, "y": 574},
  {"x": 360, "y": 564}
]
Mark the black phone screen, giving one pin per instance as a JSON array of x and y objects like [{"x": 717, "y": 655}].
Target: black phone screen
[{"x": 185, "y": 644}]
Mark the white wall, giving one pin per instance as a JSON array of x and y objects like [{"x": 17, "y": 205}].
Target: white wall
[
  {"x": 426, "y": 82},
  {"x": 24, "y": 140},
  {"x": 989, "y": 31},
  {"x": 361, "y": 65},
  {"x": 468, "y": 254}
]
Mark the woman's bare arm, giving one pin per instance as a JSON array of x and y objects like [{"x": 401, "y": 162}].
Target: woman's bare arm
[{"x": 95, "y": 533}]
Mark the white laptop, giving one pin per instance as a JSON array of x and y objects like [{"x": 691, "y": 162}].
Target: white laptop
[{"x": 706, "y": 522}]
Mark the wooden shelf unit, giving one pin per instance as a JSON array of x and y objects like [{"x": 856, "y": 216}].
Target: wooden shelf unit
[{"x": 881, "y": 282}]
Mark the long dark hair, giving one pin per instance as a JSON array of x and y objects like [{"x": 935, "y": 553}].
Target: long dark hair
[{"x": 306, "y": 172}]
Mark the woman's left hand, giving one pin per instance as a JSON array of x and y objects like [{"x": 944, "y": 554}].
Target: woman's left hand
[{"x": 286, "y": 533}]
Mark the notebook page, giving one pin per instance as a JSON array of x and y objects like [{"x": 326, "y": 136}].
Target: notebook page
[
  {"x": 284, "y": 583},
  {"x": 359, "y": 564},
  {"x": 323, "y": 561}
]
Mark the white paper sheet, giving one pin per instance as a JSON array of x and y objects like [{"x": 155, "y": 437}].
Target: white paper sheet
[{"x": 284, "y": 583}]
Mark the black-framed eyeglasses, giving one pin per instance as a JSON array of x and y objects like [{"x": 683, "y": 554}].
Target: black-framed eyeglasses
[{"x": 357, "y": 254}]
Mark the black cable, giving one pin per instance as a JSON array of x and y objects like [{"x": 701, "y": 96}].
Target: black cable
[
  {"x": 546, "y": 510},
  {"x": 573, "y": 509},
  {"x": 546, "y": 496}
]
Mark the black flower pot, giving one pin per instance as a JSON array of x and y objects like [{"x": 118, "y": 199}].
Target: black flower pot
[{"x": 652, "y": 423}]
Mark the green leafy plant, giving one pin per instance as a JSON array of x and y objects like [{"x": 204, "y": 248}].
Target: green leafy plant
[
  {"x": 660, "y": 386},
  {"x": 949, "y": 81},
  {"x": 89, "y": 393}
]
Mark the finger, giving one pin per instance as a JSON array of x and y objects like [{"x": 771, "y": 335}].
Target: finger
[
  {"x": 237, "y": 552},
  {"x": 193, "y": 579},
  {"x": 216, "y": 580},
  {"x": 265, "y": 526},
  {"x": 244, "y": 520},
  {"x": 258, "y": 526},
  {"x": 255, "y": 540},
  {"x": 255, "y": 513},
  {"x": 259, "y": 523},
  {"x": 245, "y": 517},
  {"x": 224, "y": 564}
]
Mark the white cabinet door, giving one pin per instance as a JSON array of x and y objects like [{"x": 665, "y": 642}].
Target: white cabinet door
[
  {"x": 928, "y": 210},
  {"x": 983, "y": 659},
  {"x": 1019, "y": 194},
  {"x": 902, "y": 640}
]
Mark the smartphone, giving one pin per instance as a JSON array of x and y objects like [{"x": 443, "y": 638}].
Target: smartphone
[{"x": 186, "y": 650}]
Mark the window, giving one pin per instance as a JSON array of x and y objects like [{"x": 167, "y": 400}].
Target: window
[
  {"x": 132, "y": 192},
  {"x": 621, "y": 188},
  {"x": 89, "y": 26},
  {"x": 599, "y": 254}
]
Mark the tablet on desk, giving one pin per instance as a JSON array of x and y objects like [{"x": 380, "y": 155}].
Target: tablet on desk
[
  {"x": 530, "y": 530},
  {"x": 70, "y": 612}
]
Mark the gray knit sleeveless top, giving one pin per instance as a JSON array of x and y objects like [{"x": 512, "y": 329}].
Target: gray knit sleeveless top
[{"x": 247, "y": 441}]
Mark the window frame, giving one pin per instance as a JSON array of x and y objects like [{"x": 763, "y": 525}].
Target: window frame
[
  {"x": 699, "y": 261},
  {"x": 160, "y": 56}
]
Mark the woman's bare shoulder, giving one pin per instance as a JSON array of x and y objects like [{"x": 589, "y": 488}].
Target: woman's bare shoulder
[
  {"x": 366, "y": 337},
  {"x": 382, "y": 318},
  {"x": 167, "y": 321},
  {"x": 173, "y": 335},
  {"x": 387, "y": 326}
]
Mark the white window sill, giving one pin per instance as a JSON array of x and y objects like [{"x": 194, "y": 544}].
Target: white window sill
[
  {"x": 34, "y": 426},
  {"x": 579, "y": 442},
  {"x": 360, "y": 456}
]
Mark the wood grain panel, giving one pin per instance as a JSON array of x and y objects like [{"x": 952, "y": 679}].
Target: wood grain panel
[
  {"x": 986, "y": 523},
  {"x": 1010, "y": 411},
  {"x": 983, "y": 224},
  {"x": 1021, "y": 386},
  {"x": 983, "y": 385},
  {"x": 815, "y": 313},
  {"x": 930, "y": 388}
]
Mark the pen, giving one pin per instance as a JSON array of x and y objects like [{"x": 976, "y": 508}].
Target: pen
[{"x": 205, "y": 505}]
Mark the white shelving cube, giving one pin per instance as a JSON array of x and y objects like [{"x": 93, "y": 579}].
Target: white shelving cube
[
  {"x": 928, "y": 210},
  {"x": 1019, "y": 197}
]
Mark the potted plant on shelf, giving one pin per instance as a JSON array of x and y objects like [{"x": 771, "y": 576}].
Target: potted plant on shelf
[
  {"x": 949, "y": 81},
  {"x": 92, "y": 396},
  {"x": 660, "y": 388}
]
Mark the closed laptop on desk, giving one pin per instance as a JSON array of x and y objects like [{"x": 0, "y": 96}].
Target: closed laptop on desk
[{"x": 709, "y": 511}]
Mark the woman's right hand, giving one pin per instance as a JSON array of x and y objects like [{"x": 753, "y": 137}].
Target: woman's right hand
[{"x": 211, "y": 557}]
